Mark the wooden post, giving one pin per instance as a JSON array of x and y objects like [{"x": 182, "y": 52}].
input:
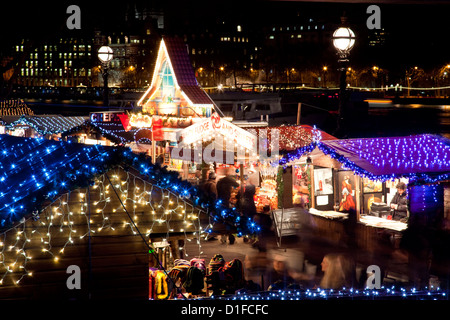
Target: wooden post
[
  {"x": 313, "y": 200},
  {"x": 241, "y": 176},
  {"x": 287, "y": 191},
  {"x": 359, "y": 197},
  {"x": 299, "y": 110}
]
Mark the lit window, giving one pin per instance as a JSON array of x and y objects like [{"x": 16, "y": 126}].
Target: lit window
[{"x": 239, "y": 28}]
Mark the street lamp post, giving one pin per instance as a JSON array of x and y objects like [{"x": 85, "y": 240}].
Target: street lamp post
[
  {"x": 343, "y": 41},
  {"x": 105, "y": 55}
]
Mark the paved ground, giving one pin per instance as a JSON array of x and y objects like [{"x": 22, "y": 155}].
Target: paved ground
[{"x": 302, "y": 256}]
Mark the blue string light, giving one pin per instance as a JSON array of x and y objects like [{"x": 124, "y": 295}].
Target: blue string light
[
  {"x": 35, "y": 170},
  {"x": 383, "y": 293},
  {"x": 423, "y": 159}
]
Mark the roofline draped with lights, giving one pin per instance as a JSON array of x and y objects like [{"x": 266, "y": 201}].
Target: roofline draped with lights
[{"x": 421, "y": 158}]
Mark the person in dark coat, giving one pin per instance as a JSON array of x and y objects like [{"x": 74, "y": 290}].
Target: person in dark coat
[
  {"x": 399, "y": 203},
  {"x": 247, "y": 202},
  {"x": 224, "y": 187},
  {"x": 209, "y": 187}
]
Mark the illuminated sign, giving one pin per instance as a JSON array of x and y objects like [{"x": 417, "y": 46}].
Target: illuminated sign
[
  {"x": 106, "y": 117},
  {"x": 213, "y": 125},
  {"x": 140, "y": 121}
]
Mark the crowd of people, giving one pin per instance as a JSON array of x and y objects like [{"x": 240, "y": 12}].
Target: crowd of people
[{"x": 257, "y": 272}]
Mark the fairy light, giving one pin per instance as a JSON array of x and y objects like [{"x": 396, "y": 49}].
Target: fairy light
[
  {"x": 55, "y": 227},
  {"x": 420, "y": 158},
  {"x": 48, "y": 124},
  {"x": 342, "y": 293}
]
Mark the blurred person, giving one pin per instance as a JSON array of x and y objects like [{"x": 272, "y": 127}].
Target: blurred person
[
  {"x": 224, "y": 187},
  {"x": 246, "y": 204},
  {"x": 264, "y": 221},
  {"x": 279, "y": 275},
  {"x": 339, "y": 271},
  {"x": 256, "y": 267},
  {"x": 209, "y": 187}
]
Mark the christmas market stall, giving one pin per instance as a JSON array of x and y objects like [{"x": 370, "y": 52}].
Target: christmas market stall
[
  {"x": 105, "y": 211},
  {"x": 51, "y": 127},
  {"x": 353, "y": 186}
]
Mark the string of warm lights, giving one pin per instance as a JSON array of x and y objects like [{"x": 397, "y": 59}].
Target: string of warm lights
[
  {"x": 62, "y": 220},
  {"x": 70, "y": 178}
]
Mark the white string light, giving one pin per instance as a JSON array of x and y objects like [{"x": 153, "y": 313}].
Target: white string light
[{"x": 61, "y": 219}]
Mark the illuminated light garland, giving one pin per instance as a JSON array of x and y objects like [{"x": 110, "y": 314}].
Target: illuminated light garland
[
  {"x": 62, "y": 220},
  {"x": 39, "y": 170},
  {"x": 48, "y": 124},
  {"x": 421, "y": 158},
  {"x": 383, "y": 293}
]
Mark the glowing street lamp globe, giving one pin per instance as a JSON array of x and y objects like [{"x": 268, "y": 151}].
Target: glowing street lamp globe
[
  {"x": 344, "y": 39},
  {"x": 105, "y": 54}
]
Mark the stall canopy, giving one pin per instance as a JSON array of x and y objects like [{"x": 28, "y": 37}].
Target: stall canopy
[
  {"x": 44, "y": 124},
  {"x": 424, "y": 157},
  {"x": 290, "y": 137}
]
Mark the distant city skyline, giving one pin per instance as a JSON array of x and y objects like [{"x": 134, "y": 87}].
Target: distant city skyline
[{"x": 413, "y": 33}]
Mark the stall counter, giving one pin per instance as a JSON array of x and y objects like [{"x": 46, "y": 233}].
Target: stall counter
[{"x": 382, "y": 223}]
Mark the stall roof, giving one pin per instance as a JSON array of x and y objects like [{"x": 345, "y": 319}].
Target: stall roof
[
  {"x": 177, "y": 54},
  {"x": 182, "y": 67},
  {"x": 291, "y": 137},
  {"x": 422, "y": 157},
  {"x": 36, "y": 170},
  {"x": 45, "y": 124},
  {"x": 114, "y": 132}
]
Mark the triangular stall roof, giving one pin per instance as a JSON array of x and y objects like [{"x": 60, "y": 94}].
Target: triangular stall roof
[
  {"x": 174, "y": 89},
  {"x": 36, "y": 171}
]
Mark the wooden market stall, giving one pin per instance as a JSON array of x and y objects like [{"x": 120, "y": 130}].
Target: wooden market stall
[
  {"x": 347, "y": 178},
  {"x": 93, "y": 207}
]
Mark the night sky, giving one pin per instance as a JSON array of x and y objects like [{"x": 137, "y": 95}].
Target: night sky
[{"x": 418, "y": 33}]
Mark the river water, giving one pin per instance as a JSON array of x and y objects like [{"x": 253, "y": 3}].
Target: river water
[
  {"x": 401, "y": 119},
  {"x": 382, "y": 119}
]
